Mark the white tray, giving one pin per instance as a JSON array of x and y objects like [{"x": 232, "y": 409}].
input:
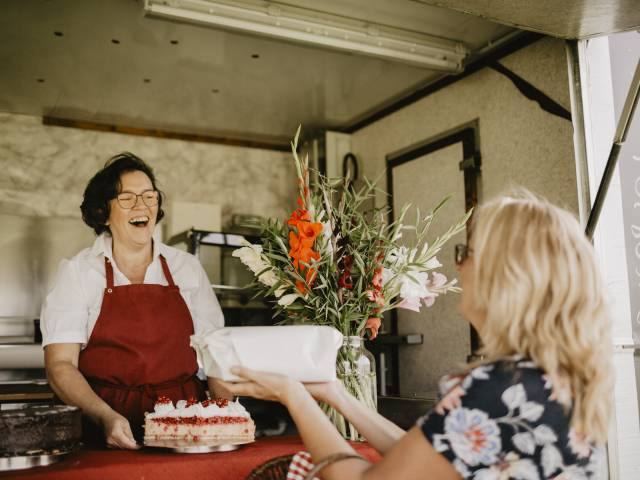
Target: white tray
[{"x": 34, "y": 460}]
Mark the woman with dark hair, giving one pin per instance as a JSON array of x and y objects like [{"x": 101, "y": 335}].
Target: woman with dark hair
[{"x": 116, "y": 324}]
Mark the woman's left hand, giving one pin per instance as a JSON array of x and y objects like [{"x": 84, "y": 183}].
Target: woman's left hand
[{"x": 263, "y": 385}]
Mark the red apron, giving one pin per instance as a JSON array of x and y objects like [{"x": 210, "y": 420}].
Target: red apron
[{"x": 139, "y": 349}]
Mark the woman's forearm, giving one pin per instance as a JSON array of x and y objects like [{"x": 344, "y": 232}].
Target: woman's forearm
[
  {"x": 320, "y": 437},
  {"x": 217, "y": 390},
  {"x": 381, "y": 433},
  {"x": 72, "y": 388}
]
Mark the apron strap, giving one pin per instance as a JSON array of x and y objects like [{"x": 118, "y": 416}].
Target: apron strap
[
  {"x": 109, "y": 272},
  {"x": 167, "y": 273}
]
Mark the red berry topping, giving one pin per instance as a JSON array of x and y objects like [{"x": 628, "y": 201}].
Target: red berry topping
[
  {"x": 222, "y": 402},
  {"x": 206, "y": 403},
  {"x": 199, "y": 420},
  {"x": 191, "y": 401},
  {"x": 162, "y": 400}
]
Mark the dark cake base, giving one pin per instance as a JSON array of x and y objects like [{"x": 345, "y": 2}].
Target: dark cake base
[{"x": 39, "y": 429}]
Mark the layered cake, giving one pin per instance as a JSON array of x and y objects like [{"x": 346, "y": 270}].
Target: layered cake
[
  {"x": 218, "y": 421},
  {"x": 39, "y": 430}
]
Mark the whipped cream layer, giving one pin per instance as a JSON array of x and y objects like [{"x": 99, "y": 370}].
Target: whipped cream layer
[{"x": 181, "y": 410}]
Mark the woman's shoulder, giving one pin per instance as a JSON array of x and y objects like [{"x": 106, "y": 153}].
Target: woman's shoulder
[
  {"x": 504, "y": 416},
  {"x": 90, "y": 256},
  {"x": 503, "y": 372},
  {"x": 80, "y": 262}
]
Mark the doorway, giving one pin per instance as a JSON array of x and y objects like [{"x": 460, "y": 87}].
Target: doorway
[{"x": 422, "y": 174}]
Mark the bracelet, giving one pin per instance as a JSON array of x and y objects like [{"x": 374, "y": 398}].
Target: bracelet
[{"x": 333, "y": 458}]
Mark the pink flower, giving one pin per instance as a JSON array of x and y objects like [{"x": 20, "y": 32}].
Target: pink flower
[
  {"x": 438, "y": 280},
  {"x": 411, "y": 303}
]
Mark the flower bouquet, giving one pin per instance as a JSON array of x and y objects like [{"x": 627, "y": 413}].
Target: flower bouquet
[{"x": 332, "y": 263}]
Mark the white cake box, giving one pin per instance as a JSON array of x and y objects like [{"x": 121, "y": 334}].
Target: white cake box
[{"x": 304, "y": 352}]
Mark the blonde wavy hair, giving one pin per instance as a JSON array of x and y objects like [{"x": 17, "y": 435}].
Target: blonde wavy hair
[{"x": 538, "y": 283}]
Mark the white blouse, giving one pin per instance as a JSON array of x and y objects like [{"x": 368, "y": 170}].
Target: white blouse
[{"x": 71, "y": 308}]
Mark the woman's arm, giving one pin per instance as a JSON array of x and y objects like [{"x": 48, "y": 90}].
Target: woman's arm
[
  {"x": 381, "y": 433},
  {"x": 61, "y": 363},
  {"x": 411, "y": 457},
  {"x": 217, "y": 390}
]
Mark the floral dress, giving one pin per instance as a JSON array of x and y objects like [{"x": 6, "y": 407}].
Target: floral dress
[{"x": 503, "y": 421}]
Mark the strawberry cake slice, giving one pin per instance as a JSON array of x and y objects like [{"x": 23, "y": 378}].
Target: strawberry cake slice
[{"x": 218, "y": 421}]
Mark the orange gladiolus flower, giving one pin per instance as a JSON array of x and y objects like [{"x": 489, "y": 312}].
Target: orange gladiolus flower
[
  {"x": 301, "y": 250},
  {"x": 373, "y": 324},
  {"x": 298, "y": 215},
  {"x": 309, "y": 229},
  {"x": 301, "y": 244},
  {"x": 310, "y": 277}
]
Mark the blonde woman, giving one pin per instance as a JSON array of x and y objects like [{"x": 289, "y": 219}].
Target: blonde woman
[{"x": 537, "y": 407}]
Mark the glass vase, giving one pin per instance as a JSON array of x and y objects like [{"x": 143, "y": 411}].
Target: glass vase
[{"x": 356, "y": 369}]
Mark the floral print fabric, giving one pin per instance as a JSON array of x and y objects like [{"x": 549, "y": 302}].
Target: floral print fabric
[{"x": 503, "y": 421}]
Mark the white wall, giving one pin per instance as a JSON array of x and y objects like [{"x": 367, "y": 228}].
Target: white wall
[{"x": 44, "y": 170}]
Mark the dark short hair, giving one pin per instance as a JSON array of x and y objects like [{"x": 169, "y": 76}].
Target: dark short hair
[{"x": 105, "y": 186}]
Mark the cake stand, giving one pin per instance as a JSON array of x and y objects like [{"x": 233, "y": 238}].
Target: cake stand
[{"x": 203, "y": 446}]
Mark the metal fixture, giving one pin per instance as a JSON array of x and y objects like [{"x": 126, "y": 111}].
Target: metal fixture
[{"x": 307, "y": 26}]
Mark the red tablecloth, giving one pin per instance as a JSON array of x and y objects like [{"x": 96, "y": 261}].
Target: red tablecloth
[{"x": 152, "y": 464}]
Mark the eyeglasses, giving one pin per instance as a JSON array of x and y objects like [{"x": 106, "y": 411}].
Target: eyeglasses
[
  {"x": 462, "y": 252},
  {"x": 128, "y": 200}
]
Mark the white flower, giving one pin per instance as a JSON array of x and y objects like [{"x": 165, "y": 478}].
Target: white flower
[
  {"x": 269, "y": 278},
  {"x": 251, "y": 256},
  {"x": 326, "y": 236},
  {"x": 433, "y": 263},
  {"x": 426, "y": 290},
  {"x": 401, "y": 255},
  {"x": 413, "y": 289},
  {"x": 387, "y": 276},
  {"x": 287, "y": 300}
]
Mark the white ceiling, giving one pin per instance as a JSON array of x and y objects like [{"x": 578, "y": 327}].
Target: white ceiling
[{"x": 207, "y": 82}]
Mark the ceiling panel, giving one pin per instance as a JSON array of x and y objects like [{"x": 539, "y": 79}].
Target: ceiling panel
[
  {"x": 571, "y": 19},
  {"x": 111, "y": 64}
]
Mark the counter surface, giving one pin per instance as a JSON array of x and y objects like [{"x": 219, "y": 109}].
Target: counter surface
[{"x": 148, "y": 463}]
